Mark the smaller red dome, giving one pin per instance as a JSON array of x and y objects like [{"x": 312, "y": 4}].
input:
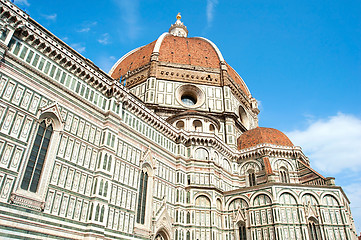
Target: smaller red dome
[{"x": 261, "y": 135}]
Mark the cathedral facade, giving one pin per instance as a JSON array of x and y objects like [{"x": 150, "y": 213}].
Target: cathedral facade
[{"x": 166, "y": 146}]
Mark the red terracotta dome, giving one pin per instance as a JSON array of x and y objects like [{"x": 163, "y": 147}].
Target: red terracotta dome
[
  {"x": 172, "y": 49},
  {"x": 261, "y": 135},
  {"x": 178, "y": 51}
]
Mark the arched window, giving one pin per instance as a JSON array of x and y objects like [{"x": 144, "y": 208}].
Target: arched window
[
  {"x": 109, "y": 163},
  {"x": 243, "y": 116},
  {"x": 251, "y": 178},
  {"x": 90, "y": 211},
  {"x": 100, "y": 160},
  {"x": 161, "y": 236},
  {"x": 142, "y": 198},
  {"x": 262, "y": 200},
  {"x": 95, "y": 185},
  {"x": 188, "y": 217},
  {"x": 242, "y": 231},
  {"x": 197, "y": 126},
  {"x": 188, "y": 235},
  {"x": 238, "y": 204},
  {"x": 219, "y": 204},
  {"x": 177, "y": 196},
  {"x": 314, "y": 229},
  {"x": 38, "y": 153},
  {"x": 101, "y": 187},
  {"x": 212, "y": 128},
  {"x": 284, "y": 177},
  {"x": 180, "y": 124},
  {"x": 105, "y": 189},
  {"x": 97, "y": 213},
  {"x": 227, "y": 165},
  {"x": 309, "y": 199},
  {"x": 105, "y": 162},
  {"x": 102, "y": 214},
  {"x": 201, "y": 154},
  {"x": 216, "y": 158},
  {"x": 176, "y": 216},
  {"x": 203, "y": 201}
]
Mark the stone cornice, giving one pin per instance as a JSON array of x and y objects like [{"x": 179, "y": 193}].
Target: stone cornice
[{"x": 266, "y": 149}]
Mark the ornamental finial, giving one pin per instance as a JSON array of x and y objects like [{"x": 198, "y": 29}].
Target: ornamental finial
[{"x": 178, "y": 28}]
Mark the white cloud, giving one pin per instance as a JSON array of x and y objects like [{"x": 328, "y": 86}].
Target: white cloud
[
  {"x": 22, "y": 2},
  {"x": 51, "y": 17},
  {"x": 87, "y": 26},
  {"x": 333, "y": 144},
  {"x": 104, "y": 39},
  {"x": 86, "y": 29},
  {"x": 78, "y": 47},
  {"x": 211, "y": 4}
]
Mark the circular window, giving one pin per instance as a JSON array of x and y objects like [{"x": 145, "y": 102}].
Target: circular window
[
  {"x": 190, "y": 96},
  {"x": 188, "y": 100}
]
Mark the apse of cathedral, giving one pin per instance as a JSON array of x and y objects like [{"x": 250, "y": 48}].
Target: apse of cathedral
[{"x": 165, "y": 146}]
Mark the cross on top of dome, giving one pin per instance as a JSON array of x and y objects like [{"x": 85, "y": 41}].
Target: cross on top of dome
[{"x": 178, "y": 28}]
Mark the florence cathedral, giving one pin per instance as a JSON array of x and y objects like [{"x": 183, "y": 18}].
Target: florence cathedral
[{"x": 165, "y": 146}]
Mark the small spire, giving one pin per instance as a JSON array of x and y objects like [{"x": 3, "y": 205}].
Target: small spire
[{"x": 178, "y": 28}]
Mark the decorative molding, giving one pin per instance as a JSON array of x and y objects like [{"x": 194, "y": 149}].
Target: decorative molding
[
  {"x": 239, "y": 215},
  {"x": 266, "y": 149},
  {"x": 163, "y": 222},
  {"x": 27, "y": 202},
  {"x": 52, "y": 109}
]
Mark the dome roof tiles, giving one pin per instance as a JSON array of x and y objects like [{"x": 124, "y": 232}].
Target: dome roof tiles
[
  {"x": 133, "y": 60},
  {"x": 234, "y": 75},
  {"x": 190, "y": 51},
  {"x": 260, "y": 135}
]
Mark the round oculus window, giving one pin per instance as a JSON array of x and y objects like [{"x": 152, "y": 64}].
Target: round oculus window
[
  {"x": 188, "y": 100},
  {"x": 190, "y": 96}
]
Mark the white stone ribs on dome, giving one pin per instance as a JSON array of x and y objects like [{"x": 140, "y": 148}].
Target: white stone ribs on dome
[
  {"x": 221, "y": 59},
  {"x": 220, "y": 56},
  {"x": 121, "y": 59},
  {"x": 159, "y": 42}
]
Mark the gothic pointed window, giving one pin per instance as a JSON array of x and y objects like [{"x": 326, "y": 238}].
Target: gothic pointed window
[
  {"x": 91, "y": 211},
  {"x": 38, "y": 153},
  {"x": 314, "y": 230},
  {"x": 142, "y": 198},
  {"x": 284, "y": 175},
  {"x": 97, "y": 213},
  {"x": 105, "y": 162},
  {"x": 251, "y": 178},
  {"x": 242, "y": 232}
]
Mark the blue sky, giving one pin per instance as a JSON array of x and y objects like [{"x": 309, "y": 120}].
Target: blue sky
[{"x": 300, "y": 59}]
